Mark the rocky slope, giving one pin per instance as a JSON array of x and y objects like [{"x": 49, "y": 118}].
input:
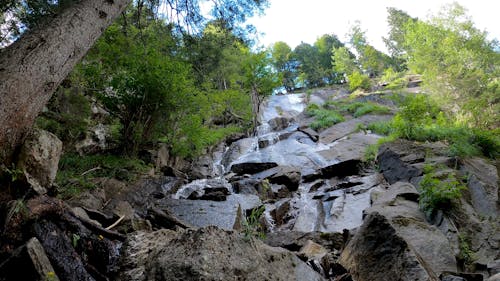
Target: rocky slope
[{"x": 325, "y": 212}]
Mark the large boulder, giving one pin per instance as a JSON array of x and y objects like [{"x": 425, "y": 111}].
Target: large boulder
[
  {"x": 377, "y": 253},
  {"x": 395, "y": 242},
  {"x": 351, "y": 148},
  {"x": 227, "y": 214},
  {"x": 207, "y": 254},
  {"x": 39, "y": 159}
]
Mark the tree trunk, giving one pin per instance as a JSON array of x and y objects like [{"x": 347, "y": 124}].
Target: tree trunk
[{"x": 33, "y": 67}]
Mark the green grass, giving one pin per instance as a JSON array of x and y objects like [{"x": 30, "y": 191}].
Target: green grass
[
  {"x": 324, "y": 118},
  {"x": 421, "y": 120},
  {"x": 357, "y": 109},
  {"x": 76, "y": 172}
]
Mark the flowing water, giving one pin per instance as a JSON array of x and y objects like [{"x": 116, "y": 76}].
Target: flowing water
[{"x": 328, "y": 207}]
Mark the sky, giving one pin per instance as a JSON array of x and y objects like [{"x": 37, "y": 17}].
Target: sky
[{"x": 296, "y": 21}]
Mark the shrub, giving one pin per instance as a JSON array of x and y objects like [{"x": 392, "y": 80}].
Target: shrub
[
  {"x": 438, "y": 194},
  {"x": 358, "y": 81}
]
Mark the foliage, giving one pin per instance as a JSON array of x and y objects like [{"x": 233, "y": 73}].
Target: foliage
[
  {"x": 437, "y": 193},
  {"x": 421, "y": 119},
  {"x": 76, "y": 172},
  {"x": 252, "y": 226},
  {"x": 372, "y": 61},
  {"x": 397, "y": 19},
  {"x": 393, "y": 80},
  {"x": 324, "y": 118},
  {"x": 466, "y": 255},
  {"x": 460, "y": 66},
  {"x": 285, "y": 65},
  {"x": 357, "y": 108},
  {"x": 67, "y": 115},
  {"x": 343, "y": 61},
  {"x": 358, "y": 81}
]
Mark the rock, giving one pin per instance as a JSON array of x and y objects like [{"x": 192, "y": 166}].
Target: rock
[
  {"x": 295, "y": 240},
  {"x": 279, "y": 123},
  {"x": 313, "y": 135},
  {"x": 393, "y": 168},
  {"x": 452, "y": 278},
  {"x": 91, "y": 199},
  {"x": 237, "y": 149},
  {"x": 494, "y": 267},
  {"x": 207, "y": 254},
  {"x": 205, "y": 188},
  {"x": 396, "y": 232},
  {"x": 495, "y": 277},
  {"x": 351, "y": 148},
  {"x": 483, "y": 186},
  {"x": 95, "y": 140},
  {"x": 343, "y": 129},
  {"x": 376, "y": 252},
  {"x": 39, "y": 159},
  {"x": 251, "y": 167},
  {"x": 313, "y": 250},
  {"x": 28, "y": 262},
  {"x": 200, "y": 213},
  {"x": 280, "y": 214},
  {"x": 285, "y": 175},
  {"x": 341, "y": 169}
]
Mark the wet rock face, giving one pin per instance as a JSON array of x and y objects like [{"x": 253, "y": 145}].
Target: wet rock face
[
  {"x": 251, "y": 167},
  {"x": 208, "y": 254},
  {"x": 393, "y": 168},
  {"x": 279, "y": 123}
]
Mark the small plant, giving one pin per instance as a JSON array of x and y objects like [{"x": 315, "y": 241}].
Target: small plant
[
  {"x": 466, "y": 254},
  {"x": 251, "y": 224},
  {"x": 13, "y": 173},
  {"x": 75, "y": 239},
  {"x": 438, "y": 194}
]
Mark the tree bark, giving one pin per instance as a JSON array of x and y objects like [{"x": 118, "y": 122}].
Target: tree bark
[{"x": 33, "y": 67}]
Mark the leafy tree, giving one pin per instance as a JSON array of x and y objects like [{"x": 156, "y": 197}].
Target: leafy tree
[
  {"x": 343, "y": 61},
  {"x": 282, "y": 60},
  {"x": 371, "y": 60},
  {"x": 34, "y": 66},
  {"x": 397, "y": 20},
  {"x": 260, "y": 79},
  {"x": 308, "y": 58},
  {"x": 143, "y": 85},
  {"x": 325, "y": 45},
  {"x": 459, "y": 64}
]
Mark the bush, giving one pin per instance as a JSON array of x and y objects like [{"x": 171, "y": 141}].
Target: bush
[
  {"x": 438, "y": 194},
  {"x": 358, "y": 81}
]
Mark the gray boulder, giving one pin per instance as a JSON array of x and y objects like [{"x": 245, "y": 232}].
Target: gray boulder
[
  {"x": 286, "y": 175},
  {"x": 39, "y": 159},
  {"x": 207, "y": 254},
  {"x": 395, "y": 242}
]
